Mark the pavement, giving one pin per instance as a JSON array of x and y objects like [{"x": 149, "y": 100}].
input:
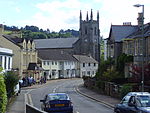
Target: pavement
[{"x": 17, "y": 104}]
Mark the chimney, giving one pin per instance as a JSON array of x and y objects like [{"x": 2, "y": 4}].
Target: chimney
[
  {"x": 1, "y": 28},
  {"x": 127, "y": 23},
  {"x": 140, "y": 19}
]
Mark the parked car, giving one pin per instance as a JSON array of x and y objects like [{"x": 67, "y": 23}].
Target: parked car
[
  {"x": 134, "y": 102},
  {"x": 57, "y": 102}
]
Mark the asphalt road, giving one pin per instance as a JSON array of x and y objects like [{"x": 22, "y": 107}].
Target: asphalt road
[{"x": 81, "y": 104}]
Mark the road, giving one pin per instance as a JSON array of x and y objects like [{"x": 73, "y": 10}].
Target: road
[{"x": 81, "y": 104}]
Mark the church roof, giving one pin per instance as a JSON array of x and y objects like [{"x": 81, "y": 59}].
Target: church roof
[
  {"x": 85, "y": 59},
  {"x": 55, "y": 43}
]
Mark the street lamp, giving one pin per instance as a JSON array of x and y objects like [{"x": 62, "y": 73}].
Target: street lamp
[{"x": 142, "y": 82}]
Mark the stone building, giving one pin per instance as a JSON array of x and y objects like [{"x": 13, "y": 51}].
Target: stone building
[{"x": 89, "y": 33}]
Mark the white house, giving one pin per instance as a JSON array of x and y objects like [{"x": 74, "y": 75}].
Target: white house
[
  {"x": 87, "y": 66},
  {"x": 57, "y": 63},
  {"x": 6, "y": 59}
]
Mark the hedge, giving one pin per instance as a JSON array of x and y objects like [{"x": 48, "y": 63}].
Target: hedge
[{"x": 3, "y": 95}]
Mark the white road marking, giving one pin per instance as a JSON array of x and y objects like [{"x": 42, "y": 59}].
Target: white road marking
[
  {"x": 30, "y": 99},
  {"x": 77, "y": 111}
]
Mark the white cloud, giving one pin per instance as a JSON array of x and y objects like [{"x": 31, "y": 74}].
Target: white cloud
[
  {"x": 17, "y": 10},
  {"x": 58, "y": 14}
]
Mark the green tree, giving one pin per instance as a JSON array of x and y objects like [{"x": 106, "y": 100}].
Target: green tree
[
  {"x": 3, "y": 95},
  {"x": 11, "y": 80},
  {"x": 121, "y": 60}
]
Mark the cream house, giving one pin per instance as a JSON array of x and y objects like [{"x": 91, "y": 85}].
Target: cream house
[
  {"x": 57, "y": 63},
  {"x": 23, "y": 50}
]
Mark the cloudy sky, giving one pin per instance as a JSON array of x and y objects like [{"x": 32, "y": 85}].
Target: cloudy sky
[{"x": 64, "y": 14}]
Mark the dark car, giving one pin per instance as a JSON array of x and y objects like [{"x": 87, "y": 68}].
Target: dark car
[
  {"x": 134, "y": 102},
  {"x": 57, "y": 103}
]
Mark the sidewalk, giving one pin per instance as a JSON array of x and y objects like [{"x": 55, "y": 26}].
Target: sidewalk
[
  {"x": 107, "y": 100},
  {"x": 18, "y": 104}
]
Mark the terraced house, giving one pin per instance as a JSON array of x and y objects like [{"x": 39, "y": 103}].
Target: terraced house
[
  {"x": 134, "y": 45},
  {"x": 128, "y": 39}
]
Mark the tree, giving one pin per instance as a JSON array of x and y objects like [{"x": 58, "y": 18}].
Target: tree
[
  {"x": 11, "y": 80},
  {"x": 121, "y": 60}
]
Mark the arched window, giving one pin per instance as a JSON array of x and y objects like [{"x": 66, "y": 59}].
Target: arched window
[
  {"x": 95, "y": 31},
  {"x": 85, "y": 30}
]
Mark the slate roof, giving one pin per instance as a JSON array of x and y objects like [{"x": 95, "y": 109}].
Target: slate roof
[
  {"x": 10, "y": 38},
  {"x": 55, "y": 43},
  {"x": 138, "y": 33},
  {"x": 121, "y": 31},
  {"x": 85, "y": 59},
  {"x": 55, "y": 54},
  {"x": 34, "y": 66}
]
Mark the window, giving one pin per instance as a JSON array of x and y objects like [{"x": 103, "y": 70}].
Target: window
[
  {"x": 95, "y": 31},
  {"x": 125, "y": 100},
  {"x": 93, "y": 72},
  {"x": 47, "y": 62},
  {"x": 94, "y": 64},
  {"x": 53, "y": 72},
  {"x": 85, "y": 30},
  {"x": 89, "y": 64},
  {"x": 83, "y": 64},
  {"x": 5, "y": 63},
  {"x": 52, "y": 63},
  {"x": 55, "y": 63},
  {"x": 9, "y": 63},
  {"x": 88, "y": 73},
  {"x": 0, "y": 60},
  {"x": 44, "y": 63}
]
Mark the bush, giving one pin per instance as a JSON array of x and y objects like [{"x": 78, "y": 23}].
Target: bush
[
  {"x": 11, "y": 80},
  {"x": 126, "y": 88},
  {"x": 100, "y": 85},
  {"x": 3, "y": 95}
]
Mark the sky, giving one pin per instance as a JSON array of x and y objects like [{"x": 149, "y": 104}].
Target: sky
[{"x": 64, "y": 14}]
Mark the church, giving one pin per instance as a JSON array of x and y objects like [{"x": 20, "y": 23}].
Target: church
[{"x": 87, "y": 43}]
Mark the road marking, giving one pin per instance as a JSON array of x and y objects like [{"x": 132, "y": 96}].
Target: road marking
[
  {"x": 77, "y": 111},
  {"x": 30, "y": 99},
  {"x": 54, "y": 90}
]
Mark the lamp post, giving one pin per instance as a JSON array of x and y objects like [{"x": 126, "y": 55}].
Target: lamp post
[{"x": 142, "y": 81}]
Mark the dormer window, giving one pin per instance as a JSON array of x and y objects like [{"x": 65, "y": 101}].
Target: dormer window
[
  {"x": 24, "y": 45},
  {"x": 33, "y": 46},
  {"x": 29, "y": 45}
]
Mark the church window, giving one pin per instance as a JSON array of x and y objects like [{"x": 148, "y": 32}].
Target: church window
[
  {"x": 85, "y": 30},
  {"x": 95, "y": 31}
]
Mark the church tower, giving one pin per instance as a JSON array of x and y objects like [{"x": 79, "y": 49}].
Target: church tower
[{"x": 89, "y": 34}]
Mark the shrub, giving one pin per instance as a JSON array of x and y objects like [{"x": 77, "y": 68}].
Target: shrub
[
  {"x": 101, "y": 85},
  {"x": 3, "y": 95},
  {"x": 11, "y": 80},
  {"x": 126, "y": 88}
]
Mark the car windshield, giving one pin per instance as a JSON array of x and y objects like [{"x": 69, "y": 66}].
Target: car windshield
[
  {"x": 57, "y": 97},
  {"x": 144, "y": 100}
]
